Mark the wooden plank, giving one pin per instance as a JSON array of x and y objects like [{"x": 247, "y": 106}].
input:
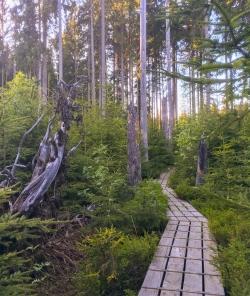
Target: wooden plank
[
  {"x": 183, "y": 227},
  {"x": 195, "y": 235},
  {"x": 194, "y": 243},
  {"x": 178, "y": 252},
  {"x": 175, "y": 264},
  {"x": 196, "y": 223},
  {"x": 194, "y": 266},
  {"x": 181, "y": 234},
  {"x": 213, "y": 285},
  {"x": 182, "y": 243},
  {"x": 192, "y": 283},
  {"x": 162, "y": 251},
  {"x": 182, "y": 223},
  {"x": 153, "y": 279},
  {"x": 190, "y": 294},
  {"x": 169, "y": 293},
  {"x": 166, "y": 241},
  {"x": 171, "y": 227},
  {"x": 209, "y": 254},
  {"x": 195, "y": 229},
  {"x": 148, "y": 292},
  {"x": 158, "y": 263},
  {"x": 209, "y": 268},
  {"x": 194, "y": 253},
  {"x": 172, "y": 280}
]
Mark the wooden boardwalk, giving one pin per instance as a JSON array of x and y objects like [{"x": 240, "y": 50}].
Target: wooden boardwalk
[{"x": 182, "y": 265}]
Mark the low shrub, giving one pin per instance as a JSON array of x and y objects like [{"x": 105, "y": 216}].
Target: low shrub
[
  {"x": 147, "y": 210},
  {"x": 111, "y": 257}
]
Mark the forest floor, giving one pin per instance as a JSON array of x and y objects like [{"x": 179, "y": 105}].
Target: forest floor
[{"x": 183, "y": 262}]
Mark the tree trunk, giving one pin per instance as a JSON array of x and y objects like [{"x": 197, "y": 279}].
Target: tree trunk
[
  {"x": 44, "y": 58},
  {"x": 103, "y": 58},
  {"x": 60, "y": 45},
  {"x": 92, "y": 47},
  {"x": 143, "y": 82},
  {"x": 122, "y": 75},
  {"x": 134, "y": 163},
  {"x": 193, "y": 92},
  {"x": 208, "y": 86},
  {"x": 201, "y": 163}
]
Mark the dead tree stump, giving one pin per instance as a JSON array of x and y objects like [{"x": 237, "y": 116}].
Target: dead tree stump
[{"x": 201, "y": 162}]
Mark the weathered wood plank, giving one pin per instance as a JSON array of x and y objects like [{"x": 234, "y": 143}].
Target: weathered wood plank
[
  {"x": 192, "y": 283},
  {"x": 148, "y": 292},
  {"x": 172, "y": 280},
  {"x": 153, "y": 279},
  {"x": 176, "y": 264},
  {"x": 194, "y": 266},
  {"x": 213, "y": 285}
]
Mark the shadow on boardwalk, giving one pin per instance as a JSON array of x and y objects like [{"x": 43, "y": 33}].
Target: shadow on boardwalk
[{"x": 182, "y": 265}]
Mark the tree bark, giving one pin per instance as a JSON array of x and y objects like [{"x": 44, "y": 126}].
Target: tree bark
[
  {"x": 143, "y": 82},
  {"x": 60, "y": 45},
  {"x": 44, "y": 57},
  {"x": 201, "y": 163},
  {"x": 167, "y": 98},
  {"x": 92, "y": 47},
  {"x": 134, "y": 163},
  {"x": 103, "y": 57}
]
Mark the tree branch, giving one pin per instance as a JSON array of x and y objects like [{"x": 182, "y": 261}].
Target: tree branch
[
  {"x": 192, "y": 79},
  {"x": 231, "y": 29},
  {"x": 13, "y": 170}
]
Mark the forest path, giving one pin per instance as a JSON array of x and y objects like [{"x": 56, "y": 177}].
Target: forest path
[{"x": 182, "y": 264}]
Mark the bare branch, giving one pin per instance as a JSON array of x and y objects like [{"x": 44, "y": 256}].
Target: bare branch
[
  {"x": 13, "y": 170},
  {"x": 73, "y": 149}
]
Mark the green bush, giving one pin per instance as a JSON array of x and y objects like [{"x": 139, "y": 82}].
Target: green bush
[
  {"x": 111, "y": 257},
  {"x": 18, "y": 265},
  {"x": 147, "y": 210},
  {"x": 159, "y": 152}
]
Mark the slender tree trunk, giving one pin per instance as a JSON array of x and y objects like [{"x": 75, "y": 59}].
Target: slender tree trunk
[
  {"x": 44, "y": 58},
  {"x": 208, "y": 86},
  {"x": 89, "y": 74},
  {"x": 92, "y": 47},
  {"x": 60, "y": 45},
  {"x": 134, "y": 163},
  {"x": 170, "y": 99},
  {"x": 122, "y": 75},
  {"x": 103, "y": 57},
  {"x": 193, "y": 93},
  {"x": 175, "y": 89},
  {"x": 40, "y": 49},
  {"x": 143, "y": 86}
]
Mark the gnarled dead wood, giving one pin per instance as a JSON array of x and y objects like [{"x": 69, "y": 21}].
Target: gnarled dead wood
[
  {"x": 45, "y": 174},
  {"x": 50, "y": 155}
]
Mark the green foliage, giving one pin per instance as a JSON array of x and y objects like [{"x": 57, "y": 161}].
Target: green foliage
[
  {"x": 160, "y": 154},
  {"x": 18, "y": 242},
  {"x": 97, "y": 173},
  {"x": 147, "y": 210},
  {"x": 19, "y": 109},
  {"x": 225, "y": 196},
  {"x": 111, "y": 258}
]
